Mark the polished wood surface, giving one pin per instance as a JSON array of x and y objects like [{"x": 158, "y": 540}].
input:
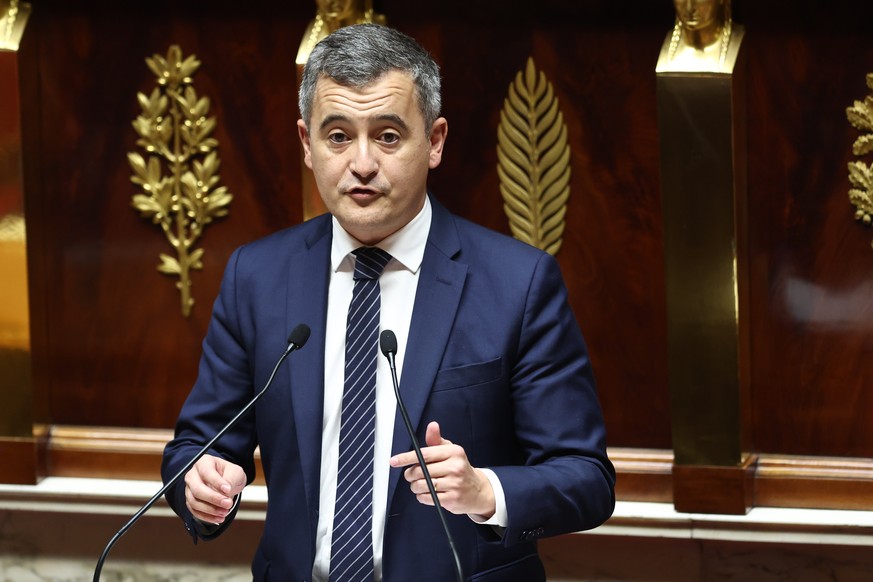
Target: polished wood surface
[
  {"x": 110, "y": 453},
  {"x": 118, "y": 352},
  {"x": 612, "y": 254},
  {"x": 715, "y": 488},
  {"x": 811, "y": 263},
  {"x": 111, "y": 348},
  {"x": 22, "y": 463}
]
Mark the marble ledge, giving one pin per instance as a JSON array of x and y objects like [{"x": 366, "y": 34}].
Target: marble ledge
[{"x": 633, "y": 519}]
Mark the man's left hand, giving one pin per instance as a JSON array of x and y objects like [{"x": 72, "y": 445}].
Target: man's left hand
[{"x": 461, "y": 488}]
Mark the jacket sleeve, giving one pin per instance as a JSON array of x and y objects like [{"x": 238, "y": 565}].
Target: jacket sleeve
[
  {"x": 222, "y": 389},
  {"x": 567, "y": 482}
]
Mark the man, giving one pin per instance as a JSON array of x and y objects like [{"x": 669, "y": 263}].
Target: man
[{"x": 493, "y": 368}]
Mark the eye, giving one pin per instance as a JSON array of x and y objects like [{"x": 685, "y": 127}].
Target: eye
[
  {"x": 389, "y": 137},
  {"x": 337, "y": 137}
]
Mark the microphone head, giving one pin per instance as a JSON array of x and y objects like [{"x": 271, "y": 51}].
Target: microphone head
[
  {"x": 388, "y": 342},
  {"x": 299, "y": 335}
]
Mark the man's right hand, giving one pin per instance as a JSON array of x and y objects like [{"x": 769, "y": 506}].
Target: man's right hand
[{"x": 210, "y": 488}]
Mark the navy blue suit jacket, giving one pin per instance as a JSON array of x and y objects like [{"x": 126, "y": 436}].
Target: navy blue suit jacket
[{"x": 494, "y": 355}]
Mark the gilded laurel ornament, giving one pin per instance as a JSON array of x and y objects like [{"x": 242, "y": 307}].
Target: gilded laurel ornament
[
  {"x": 534, "y": 161},
  {"x": 179, "y": 175},
  {"x": 860, "y": 115}
]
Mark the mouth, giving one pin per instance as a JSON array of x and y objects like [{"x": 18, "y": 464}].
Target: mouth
[{"x": 362, "y": 193}]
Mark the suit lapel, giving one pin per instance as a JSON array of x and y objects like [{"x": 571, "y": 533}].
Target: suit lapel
[
  {"x": 436, "y": 300},
  {"x": 307, "y": 303}
]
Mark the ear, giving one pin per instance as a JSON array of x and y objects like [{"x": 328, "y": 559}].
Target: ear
[
  {"x": 305, "y": 141},
  {"x": 438, "y": 133}
]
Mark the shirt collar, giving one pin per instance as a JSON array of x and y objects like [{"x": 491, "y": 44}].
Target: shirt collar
[{"x": 406, "y": 245}]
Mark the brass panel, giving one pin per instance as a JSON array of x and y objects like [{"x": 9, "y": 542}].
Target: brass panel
[
  {"x": 16, "y": 380},
  {"x": 703, "y": 192}
]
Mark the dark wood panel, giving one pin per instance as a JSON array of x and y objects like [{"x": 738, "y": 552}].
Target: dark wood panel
[
  {"x": 111, "y": 347},
  {"x": 811, "y": 263},
  {"x": 110, "y": 453},
  {"x": 815, "y": 482},
  {"x": 118, "y": 350},
  {"x": 22, "y": 462},
  {"x": 612, "y": 254},
  {"x": 643, "y": 474}
]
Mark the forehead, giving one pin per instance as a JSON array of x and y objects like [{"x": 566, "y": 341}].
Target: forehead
[{"x": 394, "y": 91}]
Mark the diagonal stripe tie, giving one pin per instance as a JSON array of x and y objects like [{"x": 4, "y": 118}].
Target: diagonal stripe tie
[{"x": 351, "y": 558}]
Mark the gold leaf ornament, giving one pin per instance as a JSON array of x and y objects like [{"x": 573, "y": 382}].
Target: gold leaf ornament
[
  {"x": 534, "y": 161},
  {"x": 179, "y": 178},
  {"x": 860, "y": 116}
]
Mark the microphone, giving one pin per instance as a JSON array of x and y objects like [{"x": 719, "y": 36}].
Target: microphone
[
  {"x": 296, "y": 340},
  {"x": 388, "y": 345}
]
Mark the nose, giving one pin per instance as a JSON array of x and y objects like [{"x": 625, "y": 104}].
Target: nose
[{"x": 364, "y": 164}]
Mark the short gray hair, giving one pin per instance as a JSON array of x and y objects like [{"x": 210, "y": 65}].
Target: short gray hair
[{"x": 357, "y": 55}]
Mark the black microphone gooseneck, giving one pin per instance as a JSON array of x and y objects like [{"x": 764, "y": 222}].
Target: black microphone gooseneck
[
  {"x": 296, "y": 340},
  {"x": 388, "y": 344}
]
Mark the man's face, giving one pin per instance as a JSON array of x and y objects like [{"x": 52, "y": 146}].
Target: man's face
[
  {"x": 697, "y": 14},
  {"x": 370, "y": 153}
]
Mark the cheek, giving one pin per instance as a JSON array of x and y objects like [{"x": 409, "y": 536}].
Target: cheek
[
  {"x": 408, "y": 174},
  {"x": 327, "y": 169}
]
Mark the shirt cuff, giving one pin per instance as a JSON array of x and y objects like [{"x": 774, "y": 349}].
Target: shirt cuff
[{"x": 500, "y": 517}]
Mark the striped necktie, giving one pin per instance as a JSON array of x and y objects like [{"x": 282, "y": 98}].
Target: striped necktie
[{"x": 351, "y": 557}]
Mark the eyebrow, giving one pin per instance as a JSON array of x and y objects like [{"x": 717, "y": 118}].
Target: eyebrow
[{"x": 390, "y": 117}]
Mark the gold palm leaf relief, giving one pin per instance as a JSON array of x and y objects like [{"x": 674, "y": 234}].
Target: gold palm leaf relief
[
  {"x": 534, "y": 161},
  {"x": 179, "y": 179}
]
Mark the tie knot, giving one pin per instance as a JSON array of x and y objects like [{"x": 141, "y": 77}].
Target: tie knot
[{"x": 369, "y": 263}]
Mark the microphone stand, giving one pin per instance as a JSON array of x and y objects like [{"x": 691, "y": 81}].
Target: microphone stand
[
  {"x": 388, "y": 344},
  {"x": 296, "y": 341}
]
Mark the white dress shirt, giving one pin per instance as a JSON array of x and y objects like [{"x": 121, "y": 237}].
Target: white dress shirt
[{"x": 398, "y": 283}]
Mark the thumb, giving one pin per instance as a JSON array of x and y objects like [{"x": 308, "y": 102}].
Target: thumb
[
  {"x": 433, "y": 437},
  {"x": 234, "y": 476}
]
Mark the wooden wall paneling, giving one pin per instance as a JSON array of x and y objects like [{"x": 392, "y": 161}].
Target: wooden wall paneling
[
  {"x": 111, "y": 348},
  {"x": 612, "y": 255},
  {"x": 814, "y": 482},
  {"x": 119, "y": 352},
  {"x": 811, "y": 261},
  {"x": 105, "y": 452},
  {"x": 123, "y": 357}
]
